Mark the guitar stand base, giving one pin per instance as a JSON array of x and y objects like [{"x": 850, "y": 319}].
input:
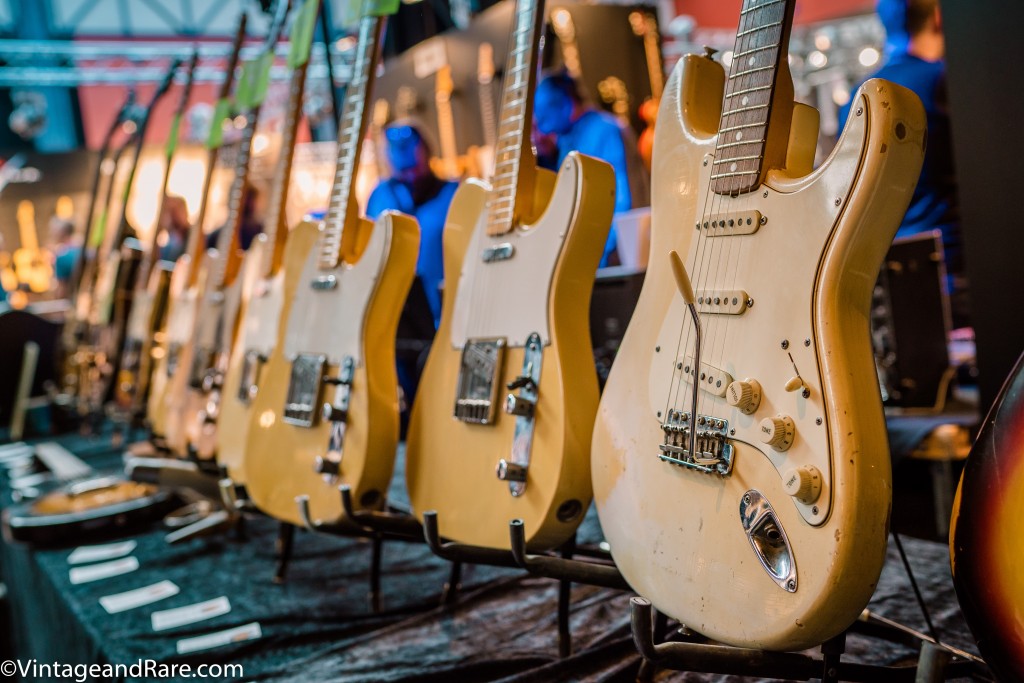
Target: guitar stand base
[{"x": 701, "y": 657}]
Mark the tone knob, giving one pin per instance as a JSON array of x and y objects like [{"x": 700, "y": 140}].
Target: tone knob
[
  {"x": 803, "y": 483},
  {"x": 518, "y": 405},
  {"x": 327, "y": 466},
  {"x": 745, "y": 395},
  {"x": 777, "y": 432},
  {"x": 333, "y": 413},
  {"x": 510, "y": 471}
]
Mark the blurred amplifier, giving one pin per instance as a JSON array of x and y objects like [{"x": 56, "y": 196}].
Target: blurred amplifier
[{"x": 616, "y": 291}]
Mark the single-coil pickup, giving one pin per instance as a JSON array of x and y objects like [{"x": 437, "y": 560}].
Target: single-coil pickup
[
  {"x": 726, "y": 224},
  {"x": 725, "y": 302},
  {"x": 710, "y": 378}
]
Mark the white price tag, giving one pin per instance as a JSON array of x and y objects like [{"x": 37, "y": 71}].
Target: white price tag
[
  {"x": 97, "y": 553},
  {"x": 103, "y": 570},
  {"x": 238, "y": 634},
  {"x": 120, "y": 602},
  {"x": 190, "y": 614}
]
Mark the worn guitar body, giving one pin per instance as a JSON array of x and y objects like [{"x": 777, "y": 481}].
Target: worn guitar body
[
  {"x": 802, "y": 278},
  {"x": 266, "y": 302},
  {"x": 986, "y": 531},
  {"x": 354, "y": 320},
  {"x": 545, "y": 289},
  {"x": 168, "y": 384}
]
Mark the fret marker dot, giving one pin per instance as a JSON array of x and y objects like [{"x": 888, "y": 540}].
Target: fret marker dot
[
  {"x": 744, "y": 100},
  {"x": 751, "y": 61},
  {"x": 739, "y": 135},
  {"x": 732, "y": 166}
]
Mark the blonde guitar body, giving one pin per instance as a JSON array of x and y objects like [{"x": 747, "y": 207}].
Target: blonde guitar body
[
  {"x": 167, "y": 391},
  {"x": 686, "y": 538},
  {"x": 266, "y": 301},
  {"x": 354, "y": 320},
  {"x": 543, "y": 288}
]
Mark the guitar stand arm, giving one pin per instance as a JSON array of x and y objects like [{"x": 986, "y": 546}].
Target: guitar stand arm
[
  {"x": 462, "y": 552},
  {"x": 561, "y": 568},
  {"x": 396, "y": 524},
  {"x": 333, "y": 529},
  {"x": 724, "y": 659}
]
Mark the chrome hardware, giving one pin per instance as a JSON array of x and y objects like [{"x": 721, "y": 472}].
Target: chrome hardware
[
  {"x": 337, "y": 414},
  {"x": 304, "y": 389},
  {"x": 517, "y": 405},
  {"x": 477, "y": 389},
  {"x": 726, "y": 224},
  {"x": 324, "y": 282},
  {"x": 722, "y": 302},
  {"x": 768, "y": 539},
  {"x": 714, "y": 452},
  {"x": 173, "y": 355},
  {"x": 327, "y": 467},
  {"x": 509, "y": 471},
  {"x": 523, "y": 406},
  {"x": 710, "y": 379},
  {"x": 499, "y": 252},
  {"x": 202, "y": 363},
  {"x": 248, "y": 386}
]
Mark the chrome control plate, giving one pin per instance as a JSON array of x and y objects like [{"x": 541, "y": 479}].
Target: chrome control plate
[
  {"x": 768, "y": 539},
  {"x": 524, "y": 407}
]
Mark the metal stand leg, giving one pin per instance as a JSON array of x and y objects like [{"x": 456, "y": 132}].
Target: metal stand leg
[
  {"x": 285, "y": 543},
  {"x": 376, "y": 551},
  {"x": 450, "y": 591}
]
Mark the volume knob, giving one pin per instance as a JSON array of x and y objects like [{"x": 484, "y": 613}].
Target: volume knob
[
  {"x": 777, "y": 432},
  {"x": 745, "y": 395},
  {"x": 803, "y": 483}
]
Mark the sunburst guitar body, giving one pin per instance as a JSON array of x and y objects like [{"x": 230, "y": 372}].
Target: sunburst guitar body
[
  {"x": 336, "y": 348},
  {"x": 986, "y": 531},
  {"x": 772, "y": 534},
  {"x": 266, "y": 301}
]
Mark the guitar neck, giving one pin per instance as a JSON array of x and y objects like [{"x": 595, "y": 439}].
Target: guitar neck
[
  {"x": 227, "y": 238},
  {"x": 758, "y": 104},
  {"x": 335, "y": 241},
  {"x": 512, "y": 184},
  {"x": 645, "y": 26},
  {"x": 446, "y": 123},
  {"x": 276, "y": 227}
]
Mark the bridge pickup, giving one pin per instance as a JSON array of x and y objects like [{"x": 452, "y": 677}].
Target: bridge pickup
[
  {"x": 727, "y": 224},
  {"x": 724, "y": 302},
  {"x": 302, "y": 401},
  {"x": 711, "y": 379},
  {"x": 476, "y": 399}
]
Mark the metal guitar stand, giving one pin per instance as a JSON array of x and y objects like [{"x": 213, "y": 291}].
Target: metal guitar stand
[{"x": 934, "y": 664}]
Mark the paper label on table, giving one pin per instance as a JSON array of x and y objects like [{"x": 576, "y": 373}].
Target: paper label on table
[
  {"x": 103, "y": 570},
  {"x": 120, "y": 602},
  {"x": 96, "y": 553},
  {"x": 232, "y": 635},
  {"x": 190, "y": 614}
]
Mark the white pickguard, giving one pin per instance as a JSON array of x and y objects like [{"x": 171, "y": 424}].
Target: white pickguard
[
  {"x": 331, "y": 321},
  {"x": 509, "y": 298},
  {"x": 264, "y": 299}
]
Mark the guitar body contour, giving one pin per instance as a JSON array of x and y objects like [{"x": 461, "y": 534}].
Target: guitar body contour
[
  {"x": 265, "y": 304},
  {"x": 685, "y": 538},
  {"x": 544, "y": 288},
  {"x": 357, "y": 319},
  {"x": 986, "y": 531}
]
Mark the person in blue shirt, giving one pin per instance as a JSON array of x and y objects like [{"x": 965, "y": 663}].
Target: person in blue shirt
[
  {"x": 65, "y": 252},
  {"x": 559, "y": 110},
  {"x": 414, "y": 190},
  {"x": 919, "y": 66}
]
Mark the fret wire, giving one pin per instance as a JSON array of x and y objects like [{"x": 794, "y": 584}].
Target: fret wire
[
  {"x": 761, "y": 6},
  {"x": 759, "y": 28},
  {"x": 754, "y": 70},
  {"x": 749, "y": 90},
  {"x": 740, "y": 110},
  {"x": 733, "y": 174},
  {"x": 754, "y": 141},
  {"x": 750, "y": 157}
]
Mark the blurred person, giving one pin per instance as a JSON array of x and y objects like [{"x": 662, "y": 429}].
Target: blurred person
[
  {"x": 250, "y": 226},
  {"x": 560, "y": 110},
  {"x": 174, "y": 228},
  {"x": 920, "y": 67},
  {"x": 414, "y": 190},
  {"x": 66, "y": 250}
]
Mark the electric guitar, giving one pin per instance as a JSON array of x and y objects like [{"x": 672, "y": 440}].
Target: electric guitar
[
  {"x": 488, "y": 119},
  {"x": 740, "y": 460},
  {"x": 217, "y": 314},
  {"x": 985, "y": 533},
  {"x": 172, "y": 348},
  {"x": 150, "y": 296},
  {"x": 33, "y": 266},
  {"x": 327, "y": 411},
  {"x": 520, "y": 255},
  {"x": 646, "y": 27},
  {"x": 263, "y": 289}
]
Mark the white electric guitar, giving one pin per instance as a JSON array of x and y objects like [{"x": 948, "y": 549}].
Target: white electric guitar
[{"x": 740, "y": 461}]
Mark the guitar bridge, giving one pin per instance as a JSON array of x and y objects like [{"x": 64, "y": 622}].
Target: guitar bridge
[
  {"x": 252, "y": 363},
  {"x": 202, "y": 364},
  {"x": 302, "y": 401},
  {"x": 476, "y": 396},
  {"x": 714, "y": 452}
]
